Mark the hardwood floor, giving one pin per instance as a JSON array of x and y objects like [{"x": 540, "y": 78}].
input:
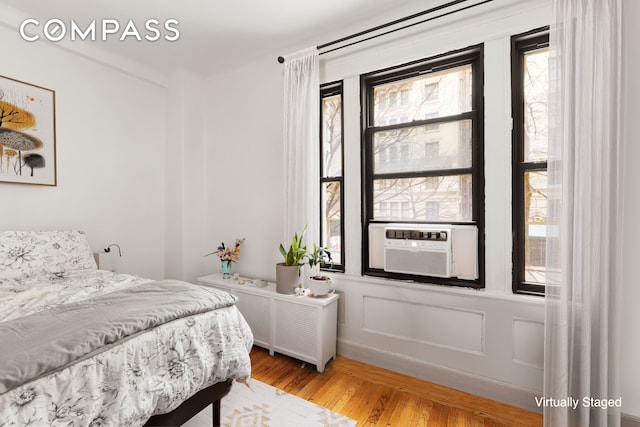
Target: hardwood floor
[{"x": 377, "y": 397}]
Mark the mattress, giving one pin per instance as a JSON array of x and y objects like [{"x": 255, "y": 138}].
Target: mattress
[{"x": 126, "y": 382}]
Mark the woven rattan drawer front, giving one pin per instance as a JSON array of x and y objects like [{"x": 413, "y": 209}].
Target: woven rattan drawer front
[{"x": 296, "y": 327}]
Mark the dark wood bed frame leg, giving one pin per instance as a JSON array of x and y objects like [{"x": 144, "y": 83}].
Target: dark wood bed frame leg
[
  {"x": 215, "y": 412},
  {"x": 196, "y": 403}
]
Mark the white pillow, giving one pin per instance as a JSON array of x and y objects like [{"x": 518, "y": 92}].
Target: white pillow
[{"x": 30, "y": 253}]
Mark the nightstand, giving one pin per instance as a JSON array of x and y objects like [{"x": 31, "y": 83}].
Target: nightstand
[{"x": 303, "y": 327}]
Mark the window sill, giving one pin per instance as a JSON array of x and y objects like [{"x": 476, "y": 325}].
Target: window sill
[{"x": 343, "y": 279}]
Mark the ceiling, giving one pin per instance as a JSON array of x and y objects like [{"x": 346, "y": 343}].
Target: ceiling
[{"x": 217, "y": 35}]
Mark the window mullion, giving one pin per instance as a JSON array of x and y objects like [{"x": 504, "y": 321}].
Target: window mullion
[
  {"x": 420, "y": 174},
  {"x": 469, "y": 115}
]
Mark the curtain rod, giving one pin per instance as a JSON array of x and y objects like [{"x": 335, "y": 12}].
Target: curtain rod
[{"x": 397, "y": 21}]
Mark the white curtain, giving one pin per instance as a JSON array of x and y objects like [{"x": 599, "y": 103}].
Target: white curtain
[
  {"x": 301, "y": 144},
  {"x": 584, "y": 212}
]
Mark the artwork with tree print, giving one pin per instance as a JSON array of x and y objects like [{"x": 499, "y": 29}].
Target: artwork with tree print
[{"x": 27, "y": 133}]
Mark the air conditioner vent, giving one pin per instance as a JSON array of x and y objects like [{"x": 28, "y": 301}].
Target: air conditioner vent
[{"x": 423, "y": 250}]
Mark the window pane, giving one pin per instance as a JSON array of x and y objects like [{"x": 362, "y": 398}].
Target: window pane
[
  {"x": 535, "y": 214},
  {"x": 423, "y": 148},
  {"x": 427, "y": 96},
  {"x": 332, "y": 222},
  {"x": 332, "y": 136},
  {"x": 536, "y": 101},
  {"x": 440, "y": 198}
]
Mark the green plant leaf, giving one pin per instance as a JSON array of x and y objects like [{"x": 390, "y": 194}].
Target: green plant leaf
[{"x": 297, "y": 252}]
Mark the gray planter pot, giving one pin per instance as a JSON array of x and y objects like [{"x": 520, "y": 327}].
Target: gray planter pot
[{"x": 287, "y": 278}]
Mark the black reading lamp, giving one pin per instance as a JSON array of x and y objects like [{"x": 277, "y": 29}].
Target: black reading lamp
[{"x": 108, "y": 249}]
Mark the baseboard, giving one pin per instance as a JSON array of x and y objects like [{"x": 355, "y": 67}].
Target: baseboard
[
  {"x": 463, "y": 381},
  {"x": 627, "y": 420}
]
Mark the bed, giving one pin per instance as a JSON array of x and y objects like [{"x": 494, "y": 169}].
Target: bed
[{"x": 87, "y": 347}]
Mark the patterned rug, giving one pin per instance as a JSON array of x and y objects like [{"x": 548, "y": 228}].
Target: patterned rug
[{"x": 260, "y": 405}]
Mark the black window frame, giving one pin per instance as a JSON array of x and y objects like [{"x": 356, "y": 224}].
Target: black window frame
[
  {"x": 474, "y": 56},
  {"x": 521, "y": 44},
  {"x": 328, "y": 90}
]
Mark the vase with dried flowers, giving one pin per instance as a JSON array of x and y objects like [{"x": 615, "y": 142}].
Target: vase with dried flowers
[{"x": 227, "y": 255}]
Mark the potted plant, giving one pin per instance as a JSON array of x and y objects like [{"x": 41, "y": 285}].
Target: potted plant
[
  {"x": 319, "y": 284},
  {"x": 288, "y": 272}
]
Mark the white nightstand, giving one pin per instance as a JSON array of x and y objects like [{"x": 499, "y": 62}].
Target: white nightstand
[
  {"x": 303, "y": 327},
  {"x": 104, "y": 261}
]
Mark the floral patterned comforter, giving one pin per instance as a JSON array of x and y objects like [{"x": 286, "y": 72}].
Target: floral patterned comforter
[{"x": 149, "y": 374}]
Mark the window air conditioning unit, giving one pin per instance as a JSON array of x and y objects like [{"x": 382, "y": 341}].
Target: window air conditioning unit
[{"x": 436, "y": 250}]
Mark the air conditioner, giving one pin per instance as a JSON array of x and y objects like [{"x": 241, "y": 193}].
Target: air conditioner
[
  {"x": 436, "y": 250},
  {"x": 425, "y": 250}
]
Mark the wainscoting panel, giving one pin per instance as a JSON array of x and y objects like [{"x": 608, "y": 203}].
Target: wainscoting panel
[
  {"x": 527, "y": 336},
  {"x": 423, "y": 323}
]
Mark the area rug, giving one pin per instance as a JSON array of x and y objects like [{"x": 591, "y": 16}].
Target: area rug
[{"x": 259, "y": 405}]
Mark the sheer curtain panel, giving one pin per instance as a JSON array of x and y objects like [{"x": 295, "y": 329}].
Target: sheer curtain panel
[
  {"x": 301, "y": 139},
  {"x": 584, "y": 213}
]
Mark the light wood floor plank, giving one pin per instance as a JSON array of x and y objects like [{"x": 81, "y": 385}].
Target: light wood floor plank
[
  {"x": 384, "y": 401},
  {"x": 384, "y": 417},
  {"x": 352, "y": 386},
  {"x": 410, "y": 411},
  {"x": 330, "y": 393},
  {"x": 360, "y": 405}
]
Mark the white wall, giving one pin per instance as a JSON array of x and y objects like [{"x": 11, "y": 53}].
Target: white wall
[
  {"x": 630, "y": 351},
  {"x": 185, "y": 176},
  {"x": 245, "y": 176},
  {"x": 110, "y": 154},
  {"x": 488, "y": 342}
]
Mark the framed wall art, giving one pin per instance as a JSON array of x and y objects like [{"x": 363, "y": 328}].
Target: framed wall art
[{"x": 27, "y": 133}]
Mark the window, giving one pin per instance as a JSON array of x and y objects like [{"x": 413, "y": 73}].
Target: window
[
  {"x": 530, "y": 99},
  {"x": 331, "y": 166},
  {"x": 423, "y": 159},
  {"x": 431, "y": 92},
  {"x": 432, "y": 210},
  {"x": 404, "y": 97}
]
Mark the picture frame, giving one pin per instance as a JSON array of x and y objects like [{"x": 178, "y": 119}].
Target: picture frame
[{"x": 27, "y": 133}]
